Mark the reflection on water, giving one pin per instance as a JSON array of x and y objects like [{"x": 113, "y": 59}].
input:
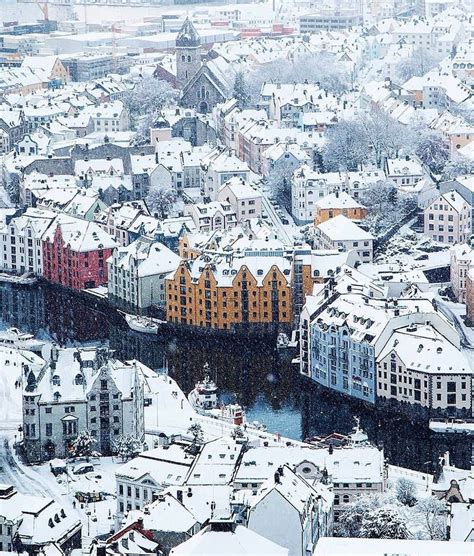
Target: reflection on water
[{"x": 251, "y": 372}]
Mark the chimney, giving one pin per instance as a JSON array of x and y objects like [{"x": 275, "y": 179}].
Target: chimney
[
  {"x": 140, "y": 523},
  {"x": 277, "y": 478},
  {"x": 179, "y": 496}
]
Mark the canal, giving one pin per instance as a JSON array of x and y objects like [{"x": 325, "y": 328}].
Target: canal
[{"x": 252, "y": 372}]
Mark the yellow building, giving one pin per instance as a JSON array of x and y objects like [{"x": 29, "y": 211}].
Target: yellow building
[
  {"x": 335, "y": 204},
  {"x": 231, "y": 291}
]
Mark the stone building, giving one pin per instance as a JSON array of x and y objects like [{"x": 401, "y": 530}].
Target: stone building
[{"x": 78, "y": 390}]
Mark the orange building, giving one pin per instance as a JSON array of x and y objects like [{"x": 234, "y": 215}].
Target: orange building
[
  {"x": 229, "y": 292},
  {"x": 338, "y": 203}
]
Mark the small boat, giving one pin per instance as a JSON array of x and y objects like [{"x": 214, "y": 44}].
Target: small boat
[
  {"x": 282, "y": 341},
  {"x": 147, "y": 325},
  {"x": 452, "y": 426},
  {"x": 15, "y": 338},
  {"x": 23, "y": 280}
]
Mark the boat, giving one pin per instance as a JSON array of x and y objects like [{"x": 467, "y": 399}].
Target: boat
[
  {"x": 452, "y": 426},
  {"x": 147, "y": 325},
  {"x": 282, "y": 341},
  {"x": 205, "y": 401},
  {"x": 26, "y": 279},
  {"x": 15, "y": 338}
]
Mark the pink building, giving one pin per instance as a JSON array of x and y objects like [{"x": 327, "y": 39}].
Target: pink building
[
  {"x": 447, "y": 219},
  {"x": 75, "y": 253}
]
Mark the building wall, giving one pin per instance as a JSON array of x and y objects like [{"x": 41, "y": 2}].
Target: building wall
[
  {"x": 445, "y": 224},
  {"x": 325, "y": 214},
  {"x": 204, "y": 303},
  {"x": 76, "y": 270}
]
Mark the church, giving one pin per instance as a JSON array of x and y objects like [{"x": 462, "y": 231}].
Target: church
[{"x": 204, "y": 79}]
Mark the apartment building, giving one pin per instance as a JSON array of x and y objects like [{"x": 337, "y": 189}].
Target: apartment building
[
  {"x": 461, "y": 261},
  {"x": 447, "y": 218},
  {"x": 341, "y": 233},
  {"x": 337, "y": 203}
]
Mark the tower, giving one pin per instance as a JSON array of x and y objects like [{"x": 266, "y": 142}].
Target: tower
[{"x": 188, "y": 55}]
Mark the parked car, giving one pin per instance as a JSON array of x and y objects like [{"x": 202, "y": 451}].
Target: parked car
[{"x": 83, "y": 469}]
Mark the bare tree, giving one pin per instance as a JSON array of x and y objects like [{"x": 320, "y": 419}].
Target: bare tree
[
  {"x": 347, "y": 147},
  {"x": 160, "y": 199},
  {"x": 434, "y": 515},
  {"x": 419, "y": 63}
]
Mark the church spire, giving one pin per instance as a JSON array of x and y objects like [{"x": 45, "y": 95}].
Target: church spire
[{"x": 188, "y": 36}]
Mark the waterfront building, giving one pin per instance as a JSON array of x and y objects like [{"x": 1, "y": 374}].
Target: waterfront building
[
  {"x": 425, "y": 368},
  {"x": 346, "y": 329},
  {"x": 78, "y": 390},
  {"x": 75, "y": 253},
  {"x": 21, "y": 239},
  {"x": 137, "y": 274},
  {"x": 447, "y": 218},
  {"x": 338, "y": 203},
  {"x": 36, "y": 524},
  {"x": 231, "y": 291},
  {"x": 341, "y": 233}
]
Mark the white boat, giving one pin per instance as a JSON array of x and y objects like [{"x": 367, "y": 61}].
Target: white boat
[
  {"x": 21, "y": 340},
  {"x": 204, "y": 400},
  {"x": 147, "y": 325},
  {"x": 282, "y": 341},
  {"x": 452, "y": 426},
  {"x": 23, "y": 280}
]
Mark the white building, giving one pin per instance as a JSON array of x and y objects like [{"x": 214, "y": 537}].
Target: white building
[
  {"x": 137, "y": 274},
  {"x": 342, "y": 233},
  {"x": 217, "y": 168},
  {"x": 244, "y": 199},
  {"x": 461, "y": 260},
  {"x": 291, "y": 512},
  {"x": 109, "y": 117},
  {"x": 447, "y": 218},
  {"x": 21, "y": 242},
  {"x": 217, "y": 215}
]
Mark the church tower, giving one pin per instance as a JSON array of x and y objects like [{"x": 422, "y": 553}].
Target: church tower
[{"x": 188, "y": 53}]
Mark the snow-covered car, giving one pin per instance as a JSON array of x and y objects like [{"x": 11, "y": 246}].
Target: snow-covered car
[{"x": 83, "y": 469}]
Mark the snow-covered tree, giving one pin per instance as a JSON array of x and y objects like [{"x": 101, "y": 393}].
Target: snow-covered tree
[
  {"x": 160, "y": 199},
  {"x": 279, "y": 181},
  {"x": 350, "y": 520},
  {"x": 83, "y": 444},
  {"x": 457, "y": 166},
  {"x": 433, "y": 150},
  {"x": 195, "y": 430},
  {"x": 419, "y": 63},
  {"x": 384, "y": 523},
  {"x": 433, "y": 515},
  {"x": 149, "y": 96},
  {"x": 386, "y": 136},
  {"x": 406, "y": 492},
  {"x": 347, "y": 147},
  {"x": 241, "y": 90},
  {"x": 126, "y": 446},
  {"x": 385, "y": 206}
]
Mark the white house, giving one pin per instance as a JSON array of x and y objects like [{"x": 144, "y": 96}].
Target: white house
[
  {"x": 447, "y": 218},
  {"x": 404, "y": 171},
  {"x": 217, "y": 215},
  {"x": 244, "y": 199},
  {"x": 342, "y": 233},
  {"x": 291, "y": 512}
]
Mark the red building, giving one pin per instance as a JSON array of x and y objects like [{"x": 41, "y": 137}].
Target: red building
[{"x": 75, "y": 253}]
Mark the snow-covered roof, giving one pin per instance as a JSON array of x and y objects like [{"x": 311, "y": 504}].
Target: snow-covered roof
[
  {"x": 237, "y": 541},
  {"x": 338, "y": 200},
  {"x": 342, "y": 228},
  {"x": 333, "y": 546}
]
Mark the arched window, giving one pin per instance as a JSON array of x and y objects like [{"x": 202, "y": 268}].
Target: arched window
[{"x": 189, "y": 58}]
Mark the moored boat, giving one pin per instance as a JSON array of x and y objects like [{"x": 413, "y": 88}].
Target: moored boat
[
  {"x": 147, "y": 325},
  {"x": 15, "y": 338}
]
